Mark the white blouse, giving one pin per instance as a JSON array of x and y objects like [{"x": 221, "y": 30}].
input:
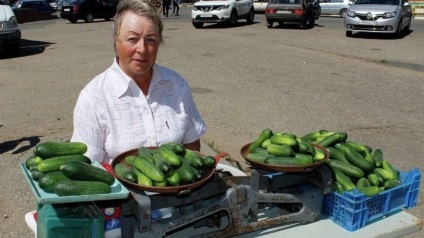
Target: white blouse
[{"x": 112, "y": 115}]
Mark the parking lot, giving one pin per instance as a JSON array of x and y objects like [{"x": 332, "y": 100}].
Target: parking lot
[{"x": 243, "y": 79}]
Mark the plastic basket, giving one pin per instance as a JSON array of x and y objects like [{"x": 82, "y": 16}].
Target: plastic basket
[{"x": 353, "y": 210}]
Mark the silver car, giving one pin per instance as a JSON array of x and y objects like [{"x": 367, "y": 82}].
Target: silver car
[
  {"x": 334, "y": 7},
  {"x": 380, "y": 16}
]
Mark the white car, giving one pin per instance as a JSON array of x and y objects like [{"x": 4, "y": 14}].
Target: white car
[
  {"x": 260, "y": 5},
  {"x": 222, "y": 11},
  {"x": 334, "y": 7},
  {"x": 10, "y": 35}
]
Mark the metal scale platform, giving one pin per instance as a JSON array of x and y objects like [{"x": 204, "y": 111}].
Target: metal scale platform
[{"x": 228, "y": 205}]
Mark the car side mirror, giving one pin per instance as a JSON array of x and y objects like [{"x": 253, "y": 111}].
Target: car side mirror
[{"x": 406, "y": 4}]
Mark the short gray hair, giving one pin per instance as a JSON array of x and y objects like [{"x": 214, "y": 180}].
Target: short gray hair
[{"x": 141, "y": 7}]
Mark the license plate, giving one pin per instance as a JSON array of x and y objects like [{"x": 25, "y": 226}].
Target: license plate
[
  {"x": 206, "y": 15},
  {"x": 284, "y": 11},
  {"x": 368, "y": 23},
  {"x": 66, "y": 10}
]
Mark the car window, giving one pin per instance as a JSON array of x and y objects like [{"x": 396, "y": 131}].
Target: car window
[
  {"x": 381, "y": 2},
  {"x": 72, "y": 1},
  {"x": 285, "y": 1}
]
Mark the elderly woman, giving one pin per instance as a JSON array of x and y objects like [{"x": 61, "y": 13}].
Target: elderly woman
[{"x": 136, "y": 102}]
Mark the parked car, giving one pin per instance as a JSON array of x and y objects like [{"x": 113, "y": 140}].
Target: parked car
[
  {"x": 379, "y": 16},
  {"x": 260, "y": 5},
  {"x": 88, "y": 10},
  {"x": 10, "y": 34},
  {"x": 334, "y": 7},
  {"x": 302, "y": 12},
  {"x": 40, "y": 5},
  {"x": 56, "y": 4},
  {"x": 221, "y": 11}
]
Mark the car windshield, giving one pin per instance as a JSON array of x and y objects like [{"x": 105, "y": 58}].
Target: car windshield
[
  {"x": 381, "y": 2},
  {"x": 72, "y": 1},
  {"x": 285, "y": 2},
  {"x": 17, "y": 3}
]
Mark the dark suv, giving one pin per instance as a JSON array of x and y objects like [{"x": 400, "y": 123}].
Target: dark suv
[
  {"x": 88, "y": 10},
  {"x": 302, "y": 12}
]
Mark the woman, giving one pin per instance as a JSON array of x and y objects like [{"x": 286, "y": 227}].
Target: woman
[{"x": 136, "y": 102}]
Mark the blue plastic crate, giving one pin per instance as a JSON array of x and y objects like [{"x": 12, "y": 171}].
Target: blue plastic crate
[{"x": 353, "y": 210}]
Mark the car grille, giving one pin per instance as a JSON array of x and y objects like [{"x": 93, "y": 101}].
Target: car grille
[
  {"x": 368, "y": 28},
  {"x": 214, "y": 17},
  {"x": 208, "y": 8},
  {"x": 371, "y": 18}
]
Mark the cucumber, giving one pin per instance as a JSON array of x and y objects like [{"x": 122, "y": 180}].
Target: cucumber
[
  {"x": 312, "y": 136},
  {"x": 194, "y": 159},
  {"x": 285, "y": 161},
  {"x": 284, "y": 139},
  {"x": 336, "y": 154},
  {"x": 260, "y": 150},
  {"x": 343, "y": 179},
  {"x": 378, "y": 158},
  {"x": 392, "y": 183},
  {"x": 346, "y": 168},
  {"x": 333, "y": 139},
  {"x": 36, "y": 175},
  {"x": 258, "y": 157},
  {"x": 319, "y": 155},
  {"x": 264, "y": 144},
  {"x": 324, "y": 134},
  {"x": 209, "y": 162},
  {"x": 374, "y": 180},
  {"x": 161, "y": 162},
  {"x": 173, "y": 178},
  {"x": 369, "y": 191},
  {"x": 369, "y": 156},
  {"x": 363, "y": 182},
  {"x": 358, "y": 146},
  {"x": 160, "y": 184},
  {"x": 388, "y": 167},
  {"x": 306, "y": 148},
  {"x": 47, "y": 181},
  {"x": 145, "y": 153},
  {"x": 338, "y": 187},
  {"x": 280, "y": 150},
  {"x": 305, "y": 158},
  {"x": 125, "y": 172},
  {"x": 81, "y": 171},
  {"x": 355, "y": 157},
  {"x": 141, "y": 178},
  {"x": 186, "y": 173},
  {"x": 130, "y": 159},
  {"x": 149, "y": 169},
  {"x": 386, "y": 175},
  {"x": 169, "y": 155},
  {"x": 265, "y": 134},
  {"x": 53, "y": 164},
  {"x": 77, "y": 188},
  {"x": 53, "y": 149},
  {"x": 177, "y": 148},
  {"x": 33, "y": 160}
]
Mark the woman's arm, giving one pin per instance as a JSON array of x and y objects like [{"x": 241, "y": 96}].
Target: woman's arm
[{"x": 195, "y": 145}]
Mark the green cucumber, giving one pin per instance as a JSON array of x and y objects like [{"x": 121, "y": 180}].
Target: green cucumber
[
  {"x": 260, "y": 150},
  {"x": 388, "y": 167},
  {"x": 53, "y": 149},
  {"x": 305, "y": 158},
  {"x": 358, "y": 146},
  {"x": 160, "y": 184},
  {"x": 36, "y": 175},
  {"x": 169, "y": 155},
  {"x": 369, "y": 191},
  {"x": 374, "y": 179},
  {"x": 378, "y": 158},
  {"x": 53, "y": 164},
  {"x": 386, "y": 175},
  {"x": 32, "y": 160},
  {"x": 280, "y": 150},
  {"x": 346, "y": 168},
  {"x": 78, "y": 188},
  {"x": 125, "y": 172},
  {"x": 355, "y": 157},
  {"x": 173, "y": 178},
  {"x": 263, "y": 145},
  {"x": 306, "y": 148},
  {"x": 284, "y": 139},
  {"x": 77, "y": 170},
  {"x": 145, "y": 153},
  {"x": 130, "y": 159},
  {"x": 265, "y": 134},
  {"x": 312, "y": 136},
  {"x": 186, "y": 173},
  {"x": 141, "y": 178},
  {"x": 258, "y": 157},
  {"x": 177, "y": 148},
  {"x": 161, "y": 162},
  {"x": 363, "y": 182},
  {"x": 333, "y": 139},
  {"x": 338, "y": 187},
  {"x": 285, "y": 161},
  {"x": 319, "y": 155},
  {"x": 392, "y": 183},
  {"x": 336, "y": 154},
  {"x": 209, "y": 162},
  {"x": 149, "y": 169},
  {"x": 47, "y": 181},
  {"x": 343, "y": 179},
  {"x": 194, "y": 159}
]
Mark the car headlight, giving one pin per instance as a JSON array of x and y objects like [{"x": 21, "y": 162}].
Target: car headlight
[
  {"x": 195, "y": 8},
  {"x": 389, "y": 15},
  {"x": 12, "y": 22},
  {"x": 222, "y": 7},
  {"x": 350, "y": 13}
]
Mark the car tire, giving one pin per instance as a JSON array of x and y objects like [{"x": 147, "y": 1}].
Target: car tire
[
  {"x": 343, "y": 13},
  {"x": 407, "y": 29},
  {"x": 349, "y": 34},
  {"x": 73, "y": 20},
  {"x": 89, "y": 17},
  {"x": 269, "y": 24},
  {"x": 197, "y": 25},
  {"x": 398, "y": 33},
  {"x": 233, "y": 19},
  {"x": 251, "y": 18}
]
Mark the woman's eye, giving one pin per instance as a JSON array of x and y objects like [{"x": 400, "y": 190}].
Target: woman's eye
[{"x": 133, "y": 40}]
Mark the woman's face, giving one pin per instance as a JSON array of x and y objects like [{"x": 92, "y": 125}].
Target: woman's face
[{"x": 137, "y": 45}]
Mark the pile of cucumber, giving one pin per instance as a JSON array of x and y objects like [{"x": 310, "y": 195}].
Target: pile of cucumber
[
  {"x": 355, "y": 165},
  {"x": 171, "y": 164},
  {"x": 62, "y": 168},
  {"x": 283, "y": 149}
]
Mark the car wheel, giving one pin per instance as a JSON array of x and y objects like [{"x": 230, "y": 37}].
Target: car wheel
[
  {"x": 73, "y": 20},
  {"x": 233, "y": 18},
  {"x": 89, "y": 17},
  {"x": 398, "y": 33},
  {"x": 343, "y": 13},
  {"x": 251, "y": 17},
  {"x": 269, "y": 24},
  {"x": 349, "y": 34},
  {"x": 197, "y": 25},
  {"x": 408, "y": 27}
]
